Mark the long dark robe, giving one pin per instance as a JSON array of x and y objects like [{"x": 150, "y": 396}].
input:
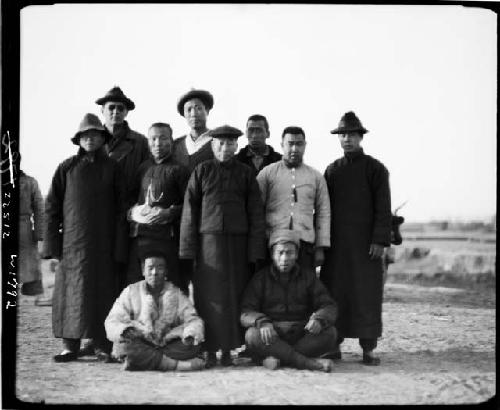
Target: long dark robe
[
  {"x": 84, "y": 199},
  {"x": 361, "y": 215},
  {"x": 222, "y": 228},
  {"x": 168, "y": 181}
]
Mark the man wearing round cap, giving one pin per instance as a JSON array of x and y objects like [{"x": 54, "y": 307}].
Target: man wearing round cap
[
  {"x": 84, "y": 208},
  {"x": 288, "y": 311},
  {"x": 193, "y": 148},
  {"x": 126, "y": 146},
  {"x": 222, "y": 231},
  {"x": 361, "y": 227}
]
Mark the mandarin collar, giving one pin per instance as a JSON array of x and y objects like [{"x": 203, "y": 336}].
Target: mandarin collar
[
  {"x": 148, "y": 291},
  {"x": 123, "y": 131},
  {"x": 252, "y": 153},
  {"x": 275, "y": 272},
  {"x": 226, "y": 164},
  {"x": 100, "y": 153},
  {"x": 352, "y": 156}
]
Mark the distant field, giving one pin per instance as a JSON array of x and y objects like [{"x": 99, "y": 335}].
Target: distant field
[{"x": 451, "y": 245}]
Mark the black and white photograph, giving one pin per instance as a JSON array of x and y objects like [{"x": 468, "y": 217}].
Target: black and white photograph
[{"x": 249, "y": 204}]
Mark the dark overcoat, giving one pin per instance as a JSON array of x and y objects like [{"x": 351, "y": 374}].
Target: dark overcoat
[
  {"x": 361, "y": 215},
  {"x": 222, "y": 228},
  {"x": 130, "y": 149},
  {"x": 84, "y": 202}
]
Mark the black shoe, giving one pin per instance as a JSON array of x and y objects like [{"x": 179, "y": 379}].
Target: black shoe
[
  {"x": 225, "y": 359},
  {"x": 87, "y": 350},
  {"x": 211, "y": 360},
  {"x": 67, "y": 357},
  {"x": 370, "y": 360}
]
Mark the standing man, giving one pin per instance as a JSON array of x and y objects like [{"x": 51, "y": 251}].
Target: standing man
[
  {"x": 296, "y": 197},
  {"x": 127, "y": 147},
  {"x": 257, "y": 154},
  {"x": 30, "y": 234},
  {"x": 222, "y": 231},
  {"x": 361, "y": 227},
  {"x": 193, "y": 148},
  {"x": 83, "y": 213},
  {"x": 155, "y": 219}
]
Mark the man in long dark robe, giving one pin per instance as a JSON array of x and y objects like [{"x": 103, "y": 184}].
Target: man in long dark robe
[
  {"x": 222, "y": 230},
  {"x": 155, "y": 219},
  {"x": 360, "y": 229},
  {"x": 83, "y": 218}
]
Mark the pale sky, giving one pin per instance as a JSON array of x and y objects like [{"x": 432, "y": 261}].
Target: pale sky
[{"x": 422, "y": 79}]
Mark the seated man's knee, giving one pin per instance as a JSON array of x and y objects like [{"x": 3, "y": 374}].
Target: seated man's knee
[{"x": 252, "y": 337}]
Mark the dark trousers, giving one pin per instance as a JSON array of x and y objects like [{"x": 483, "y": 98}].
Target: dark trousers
[
  {"x": 293, "y": 346},
  {"x": 99, "y": 344},
  {"x": 143, "y": 355},
  {"x": 366, "y": 344}
]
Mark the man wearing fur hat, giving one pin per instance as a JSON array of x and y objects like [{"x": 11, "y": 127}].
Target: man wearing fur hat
[
  {"x": 193, "y": 148},
  {"x": 288, "y": 311},
  {"x": 361, "y": 227},
  {"x": 84, "y": 211},
  {"x": 222, "y": 231},
  {"x": 127, "y": 147},
  {"x": 153, "y": 325}
]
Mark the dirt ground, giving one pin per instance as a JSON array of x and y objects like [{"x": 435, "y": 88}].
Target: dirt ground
[{"x": 438, "y": 346}]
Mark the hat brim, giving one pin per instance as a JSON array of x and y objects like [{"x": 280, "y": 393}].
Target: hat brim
[
  {"x": 225, "y": 136},
  {"x": 204, "y": 96},
  {"x": 129, "y": 104},
  {"x": 107, "y": 136},
  {"x": 344, "y": 130}
]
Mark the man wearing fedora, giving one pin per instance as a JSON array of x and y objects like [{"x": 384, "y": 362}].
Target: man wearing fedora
[
  {"x": 127, "y": 147},
  {"x": 222, "y": 231},
  {"x": 193, "y": 148},
  {"x": 84, "y": 211},
  {"x": 361, "y": 227}
]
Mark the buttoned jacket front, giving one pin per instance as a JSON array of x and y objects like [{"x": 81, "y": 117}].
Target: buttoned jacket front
[{"x": 296, "y": 198}]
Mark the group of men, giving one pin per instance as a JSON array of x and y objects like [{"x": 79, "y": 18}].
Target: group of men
[{"x": 246, "y": 230}]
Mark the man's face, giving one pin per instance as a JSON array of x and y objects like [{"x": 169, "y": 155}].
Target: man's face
[
  {"x": 294, "y": 146},
  {"x": 257, "y": 134},
  {"x": 154, "y": 271},
  {"x": 195, "y": 113},
  {"x": 284, "y": 256},
  {"x": 114, "y": 112},
  {"x": 160, "y": 142},
  {"x": 224, "y": 148},
  {"x": 350, "y": 141},
  {"x": 91, "y": 140}
]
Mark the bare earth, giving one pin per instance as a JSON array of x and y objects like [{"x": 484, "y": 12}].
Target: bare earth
[{"x": 438, "y": 346}]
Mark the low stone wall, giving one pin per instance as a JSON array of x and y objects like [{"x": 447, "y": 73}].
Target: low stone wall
[{"x": 424, "y": 261}]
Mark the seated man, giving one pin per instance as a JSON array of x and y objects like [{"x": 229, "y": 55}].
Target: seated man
[
  {"x": 288, "y": 311},
  {"x": 153, "y": 324}
]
